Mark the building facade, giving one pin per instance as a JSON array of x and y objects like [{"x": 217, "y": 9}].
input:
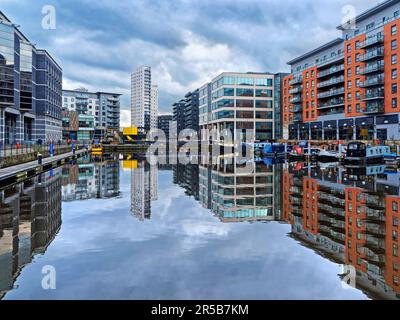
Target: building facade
[
  {"x": 103, "y": 107},
  {"x": 31, "y": 84},
  {"x": 164, "y": 122},
  {"x": 144, "y": 100},
  {"x": 242, "y": 103},
  {"x": 348, "y": 88}
]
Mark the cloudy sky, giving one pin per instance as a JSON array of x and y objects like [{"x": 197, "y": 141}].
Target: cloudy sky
[{"x": 187, "y": 42}]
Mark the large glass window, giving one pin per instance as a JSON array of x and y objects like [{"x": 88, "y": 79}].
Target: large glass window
[
  {"x": 224, "y": 103},
  {"x": 245, "y": 114},
  {"x": 244, "y": 104},
  {"x": 264, "y": 115},
  {"x": 245, "y": 92},
  {"x": 264, "y": 131},
  {"x": 264, "y": 93},
  {"x": 266, "y": 104},
  {"x": 242, "y": 81},
  {"x": 264, "y": 82},
  {"x": 228, "y": 81}
]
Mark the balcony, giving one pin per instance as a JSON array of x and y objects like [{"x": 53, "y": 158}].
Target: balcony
[
  {"x": 374, "y": 54},
  {"x": 331, "y": 93},
  {"x": 296, "y": 100},
  {"x": 331, "y": 60},
  {"x": 330, "y": 82},
  {"x": 374, "y": 95},
  {"x": 330, "y": 71},
  {"x": 296, "y": 90},
  {"x": 380, "y": 66},
  {"x": 373, "y": 81},
  {"x": 371, "y": 41},
  {"x": 332, "y": 104},
  {"x": 298, "y": 118},
  {"x": 298, "y": 80},
  {"x": 296, "y": 109},
  {"x": 375, "y": 107}
]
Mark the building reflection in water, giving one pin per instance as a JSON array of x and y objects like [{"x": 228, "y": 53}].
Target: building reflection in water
[
  {"x": 235, "y": 195},
  {"x": 144, "y": 187},
  {"x": 350, "y": 216},
  {"x": 91, "y": 180},
  {"x": 30, "y": 217}
]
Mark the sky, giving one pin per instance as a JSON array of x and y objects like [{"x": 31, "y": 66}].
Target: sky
[{"x": 98, "y": 43}]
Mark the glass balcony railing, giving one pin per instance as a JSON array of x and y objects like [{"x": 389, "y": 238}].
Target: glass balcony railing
[
  {"x": 371, "y": 41},
  {"x": 373, "y": 81},
  {"x": 377, "y": 53},
  {"x": 296, "y": 99},
  {"x": 296, "y": 90},
  {"x": 330, "y": 60},
  {"x": 296, "y": 109},
  {"x": 374, "y": 94},
  {"x": 330, "y": 82},
  {"x": 332, "y": 103},
  {"x": 331, "y": 93},
  {"x": 331, "y": 70},
  {"x": 298, "y": 80},
  {"x": 380, "y": 66},
  {"x": 375, "y": 107},
  {"x": 298, "y": 118}
]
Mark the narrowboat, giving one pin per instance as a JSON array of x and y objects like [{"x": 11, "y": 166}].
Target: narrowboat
[
  {"x": 273, "y": 150},
  {"x": 361, "y": 153}
]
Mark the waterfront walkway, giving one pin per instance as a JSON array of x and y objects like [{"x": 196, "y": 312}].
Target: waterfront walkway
[{"x": 24, "y": 168}]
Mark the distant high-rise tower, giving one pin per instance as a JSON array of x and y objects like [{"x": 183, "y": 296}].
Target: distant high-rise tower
[
  {"x": 154, "y": 108},
  {"x": 144, "y": 99}
]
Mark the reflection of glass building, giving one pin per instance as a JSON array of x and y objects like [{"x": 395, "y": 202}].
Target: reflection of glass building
[
  {"x": 187, "y": 177},
  {"x": 30, "y": 217},
  {"x": 235, "y": 194},
  {"x": 30, "y": 89},
  {"x": 144, "y": 189},
  {"x": 351, "y": 218},
  {"x": 91, "y": 180}
]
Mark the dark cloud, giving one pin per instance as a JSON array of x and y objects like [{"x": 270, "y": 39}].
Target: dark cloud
[{"x": 187, "y": 42}]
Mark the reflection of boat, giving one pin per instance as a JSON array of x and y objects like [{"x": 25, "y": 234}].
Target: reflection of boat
[
  {"x": 360, "y": 153},
  {"x": 364, "y": 171},
  {"x": 392, "y": 161},
  {"x": 97, "y": 149},
  {"x": 273, "y": 150}
]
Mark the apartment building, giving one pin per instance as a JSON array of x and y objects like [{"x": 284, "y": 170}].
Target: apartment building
[
  {"x": 144, "y": 99},
  {"x": 348, "y": 88},
  {"x": 30, "y": 89},
  {"x": 164, "y": 123},
  {"x": 242, "y": 103},
  {"x": 103, "y": 107}
]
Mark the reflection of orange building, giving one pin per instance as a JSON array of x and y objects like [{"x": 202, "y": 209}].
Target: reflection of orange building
[
  {"x": 355, "y": 224},
  {"x": 310, "y": 205},
  {"x": 392, "y": 273}
]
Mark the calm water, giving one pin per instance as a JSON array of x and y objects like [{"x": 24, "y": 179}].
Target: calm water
[{"x": 125, "y": 230}]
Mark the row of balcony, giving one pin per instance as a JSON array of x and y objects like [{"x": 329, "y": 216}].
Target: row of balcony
[
  {"x": 296, "y": 99},
  {"x": 296, "y": 109},
  {"x": 375, "y": 107},
  {"x": 331, "y": 93},
  {"x": 298, "y": 80},
  {"x": 377, "y": 80},
  {"x": 331, "y": 82},
  {"x": 374, "y": 94}
]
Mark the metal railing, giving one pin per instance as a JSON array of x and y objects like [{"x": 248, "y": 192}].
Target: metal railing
[{"x": 331, "y": 93}]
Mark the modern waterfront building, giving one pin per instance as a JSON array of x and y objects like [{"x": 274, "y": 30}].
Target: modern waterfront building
[
  {"x": 30, "y": 89},
  {"x": 104, "y": 107},
  {"x": 242, "y": 103},
  {"x": 78, "y": 127},
  {"x": 164, "y": 123},
  {"x": 178, "y": 110},
  {"x": 144, "y": 99},
  {"x": 348, "y": 88}
]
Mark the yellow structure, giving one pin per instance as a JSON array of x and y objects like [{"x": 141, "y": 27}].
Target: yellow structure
[{"x": 131, "y": 131}]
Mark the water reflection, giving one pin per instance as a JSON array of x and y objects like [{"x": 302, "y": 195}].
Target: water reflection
[
  {"x": 350, "y": 216},
  {"x": 30, "y": 217},
  {"x": 347, "y": 215}
]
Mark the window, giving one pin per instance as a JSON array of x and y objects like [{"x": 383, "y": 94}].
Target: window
[
  {"x": 348, "y": 48},
  {"x": 394, "y": 88},
  {"x": 395, "y": 206},
  {"x": 370, "y": 26},
  {"x": 349, "y": 72},
  {"x": 394, "y": 74},
  {"x": 349, "y": 84},
  {"x": 357, "y": 45},
  {"x": 348, "y": 60},
  {"x": 357, "y": 70},
  {"x": 394, "y": 103},
  {"x": 394, "y": 44},
  {"x": 394, "y": 59},
  {"x": 394, "y": 30}
]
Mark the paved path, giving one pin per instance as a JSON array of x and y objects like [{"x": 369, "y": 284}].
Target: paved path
[{"x": 20, "y": 168}]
